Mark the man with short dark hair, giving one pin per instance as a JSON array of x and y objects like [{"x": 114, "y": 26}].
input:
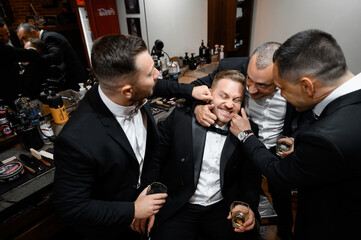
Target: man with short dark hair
[
  {"x": 311, "y": 71},
  {"x": 59, "y": 51},
  {"x": 205, "y": 170},
  {"x": 103, "y": 155}
]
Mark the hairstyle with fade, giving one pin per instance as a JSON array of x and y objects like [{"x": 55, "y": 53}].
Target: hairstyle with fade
[
  {"x": 311, "y": 53},
  {"x": 265, "y": 54},
  {"x": 113, "y": 58}
]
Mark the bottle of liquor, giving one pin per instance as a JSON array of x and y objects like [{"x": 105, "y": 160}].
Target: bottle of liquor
[
  {"x": 208, "y": 55},
  {"x": 202, "y": 50}
]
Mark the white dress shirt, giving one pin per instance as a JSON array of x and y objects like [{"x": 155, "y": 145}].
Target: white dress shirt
[
  {"x": 135, "y": 128},
  {"x": 269, "y": 114},
  {"x": 41, "y": 33},
  {"x": 208, "y": 190},
  {"x": 351, "y": 85}
]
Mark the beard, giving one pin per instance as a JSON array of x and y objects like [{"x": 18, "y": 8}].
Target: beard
[{"x": 140, "y": 94}]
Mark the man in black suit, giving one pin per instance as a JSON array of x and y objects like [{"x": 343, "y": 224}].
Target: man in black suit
[
  {"x": 59, "y": 51},
  {"x": 103, "y": 155},
  {"x": 10, "y": 57},
  {"x": 311, "y": 71},
  {"x": 205, "y": 171},
  {"x": 268, "y": 109}
]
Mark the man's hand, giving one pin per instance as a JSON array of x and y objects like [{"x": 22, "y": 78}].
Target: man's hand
[
  {"x": 248, "y": 225},
  {"x": 140, "y": 225},
  {"x": 240, "y": 123},
  {"x": 148, "y": 205},
  {"x": 202, "y": 93},
  {"x": 289, "y": 141},
  {"x": 204, "y": 115}
]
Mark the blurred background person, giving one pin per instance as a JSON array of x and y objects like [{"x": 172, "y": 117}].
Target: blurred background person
[
  {"x": 58, "y": 51},
  {"x": 9, "y": 65}
]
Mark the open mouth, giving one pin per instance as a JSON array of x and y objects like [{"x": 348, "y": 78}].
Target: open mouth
[{"x": 226, "y": 112}]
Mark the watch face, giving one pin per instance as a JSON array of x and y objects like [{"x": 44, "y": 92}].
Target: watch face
[{"x": 242, "y": 135}]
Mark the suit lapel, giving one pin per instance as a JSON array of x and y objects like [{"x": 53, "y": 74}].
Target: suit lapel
[
  {"x": 227, "y": 151},
  {"x": 111, "y": 125},
  {"x": 198, "y": 140},
  {"x": 152, "y": 132}
]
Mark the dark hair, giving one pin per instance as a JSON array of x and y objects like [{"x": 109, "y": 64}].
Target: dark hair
[
  {"x": 38, "y": 44},
  {"x": 265, "y": 54},
  {"x": 230, "y": 74},
  {"x": 2, "y": 22},
  {"x": 113, "y": 56},
  {"x": 310, "y": 53},
  {"x": 27, "y": 27}
]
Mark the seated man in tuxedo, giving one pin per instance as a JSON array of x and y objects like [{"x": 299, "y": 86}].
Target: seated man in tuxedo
[
  {"x": 205, "y": 170},
  {"x": 266, "y": 107}
]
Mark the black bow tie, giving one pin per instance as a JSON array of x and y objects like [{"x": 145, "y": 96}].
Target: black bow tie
[{"x": 218, "y": 130}]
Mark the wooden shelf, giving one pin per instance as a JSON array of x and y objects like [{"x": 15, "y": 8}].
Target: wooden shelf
[{"x": 224, "y": 26}]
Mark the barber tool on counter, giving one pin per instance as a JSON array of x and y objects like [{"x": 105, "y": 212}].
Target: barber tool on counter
[
  {"x": 38, "y": 156},
  {"x": 27, "y": 112}
]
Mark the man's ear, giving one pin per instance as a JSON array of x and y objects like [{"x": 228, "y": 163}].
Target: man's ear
[
  {"x": 127, "y": 91},
  {"x": 308, "y": 86}
]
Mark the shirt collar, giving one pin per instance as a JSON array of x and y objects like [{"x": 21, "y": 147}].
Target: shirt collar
[
  {"x": 41, "y": 33},
  {"x": 349, "y": 86},
  {"x": 119, "y": 110},
  {"x": 224, "y": 127}
]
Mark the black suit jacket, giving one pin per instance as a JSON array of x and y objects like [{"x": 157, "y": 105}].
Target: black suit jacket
[
  {"x": 11, "y": 84},
  {"x": 180, "y": 155},
  {"x": 97, "y": 172},
  {"x": 14, "y": 38},
  {"x": 58, "y": 51},
  {"x": 325, "y": 167},
  {"x": 241, "y": 64}
]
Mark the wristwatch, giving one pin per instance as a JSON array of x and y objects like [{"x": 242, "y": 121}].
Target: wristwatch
[{"x": 244, "y": 134}]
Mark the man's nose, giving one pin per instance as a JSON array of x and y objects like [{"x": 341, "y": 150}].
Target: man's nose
[
  {"x": 252, "y": 89},
  {"x": 229, "y": 104},
  {"x": 156, "y": 74}
]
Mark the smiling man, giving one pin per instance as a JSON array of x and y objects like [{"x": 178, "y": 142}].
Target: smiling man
[
  {"x": 267, "y": 108},
  {"x": 205, "y": 170}
]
